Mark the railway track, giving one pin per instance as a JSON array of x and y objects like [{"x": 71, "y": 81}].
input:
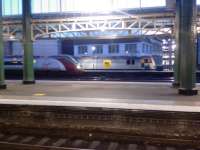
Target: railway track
[
  {"x": 27, "y": 142},
  {"x": 31, "y": 127}
]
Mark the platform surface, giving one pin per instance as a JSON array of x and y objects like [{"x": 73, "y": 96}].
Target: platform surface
[{"x": 119, "y": 95}]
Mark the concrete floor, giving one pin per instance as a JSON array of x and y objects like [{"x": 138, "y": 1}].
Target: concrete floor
[{"x": 124, "y": 95}]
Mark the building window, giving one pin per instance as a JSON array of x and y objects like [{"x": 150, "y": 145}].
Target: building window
[
  {"x": 97, "y": 49},
  {"x": 166, "y": 62},
  {"x": 151, "y": 48},
  {"x": 113, "y": 49},
  {"x": 147, "y": 48},
  {"x": 82, "y": 49},
  {"x": 131, "y": 48},
  {"x": 143, "y": 48}
]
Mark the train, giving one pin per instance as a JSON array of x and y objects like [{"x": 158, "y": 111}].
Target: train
[
  {"x": 64, "y": 63},
  {"x": 73, "y": 65},
  {"x": 96, "y": 50},
  {"x": 111, "y": 53},
  {"x": 119, "y": 63}
]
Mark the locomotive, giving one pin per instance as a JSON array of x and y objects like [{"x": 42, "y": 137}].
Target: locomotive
[{"x": 65, "y": 63}]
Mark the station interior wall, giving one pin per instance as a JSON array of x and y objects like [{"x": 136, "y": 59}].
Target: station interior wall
[{"x": 40, "y": 48}]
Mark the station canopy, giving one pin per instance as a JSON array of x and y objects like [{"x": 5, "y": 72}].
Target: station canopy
[{"x": 14, "y": 7}]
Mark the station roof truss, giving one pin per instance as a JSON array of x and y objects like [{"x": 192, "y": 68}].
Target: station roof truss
[{"x": 122, "y": 24}]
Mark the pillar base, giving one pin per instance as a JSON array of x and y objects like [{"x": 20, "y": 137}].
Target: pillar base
[
  {"x": 188, "y": 92},
  {"x": 28, "y": 82},
  {"x": 175, "y": 85},
  {"x": 3, "y": 87}
]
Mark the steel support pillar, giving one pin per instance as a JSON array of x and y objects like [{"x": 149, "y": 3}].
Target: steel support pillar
[
  {"x": 176, "y": 83},
  {"x": 186, "y": 33},
  {"x": 2, "y": 71},
  {"x": 28, "y": 72}
]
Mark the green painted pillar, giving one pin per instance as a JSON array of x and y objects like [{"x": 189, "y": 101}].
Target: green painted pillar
[
  {"x": 2, "y": 71},
  {"x": 187, "y": 46},
  {"x": 28, "y": 72},
  {"x": 176, "y": 82}
]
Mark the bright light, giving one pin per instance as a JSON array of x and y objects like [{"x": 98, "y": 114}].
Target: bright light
[
  {"x": 11, "y": 37},
  {"x": 164, "y": 41},
  {"x": 103, "y": 29},
  {"x": 78, "y": 66},
  {"x": 39, "y": 94},
  {"x": 153, "y": 3},
  {"x": 34, "y": 61},
  {"x": 93, "y": 5},
  {"x": 93, "y": 48},
  {"x": 173, "y": 46}
]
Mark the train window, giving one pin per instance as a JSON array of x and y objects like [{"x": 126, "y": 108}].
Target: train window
[
  {"x": 146, "y": 61},
  {"x": 131, "y": 48},
  {"x": 113, "y": 48},
  {"x": 149, "y": 61},
  {"x": 82, "y": 49},
  {"x": 128, "y": 62},
  {"x": 133, "y": 62}
]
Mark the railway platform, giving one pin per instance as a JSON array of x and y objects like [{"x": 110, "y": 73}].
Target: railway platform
[
  {"x": 123, "y": 95},
  {"x": 122, "y": 112}
]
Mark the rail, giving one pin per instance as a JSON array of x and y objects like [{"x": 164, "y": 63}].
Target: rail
[
  {"x": 28, "y": 142},
  {"x": 19, "y": 142}
]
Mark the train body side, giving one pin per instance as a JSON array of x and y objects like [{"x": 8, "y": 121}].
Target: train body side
[
  {"x": 57, "y": 63},
  {"x": 118, "y": 63}
]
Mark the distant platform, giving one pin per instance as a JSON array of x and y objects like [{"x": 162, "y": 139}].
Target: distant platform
[{"x": 114, "y": 95}]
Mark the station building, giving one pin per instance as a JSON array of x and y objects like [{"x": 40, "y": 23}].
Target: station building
[{"x": 137, "y": 47}]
